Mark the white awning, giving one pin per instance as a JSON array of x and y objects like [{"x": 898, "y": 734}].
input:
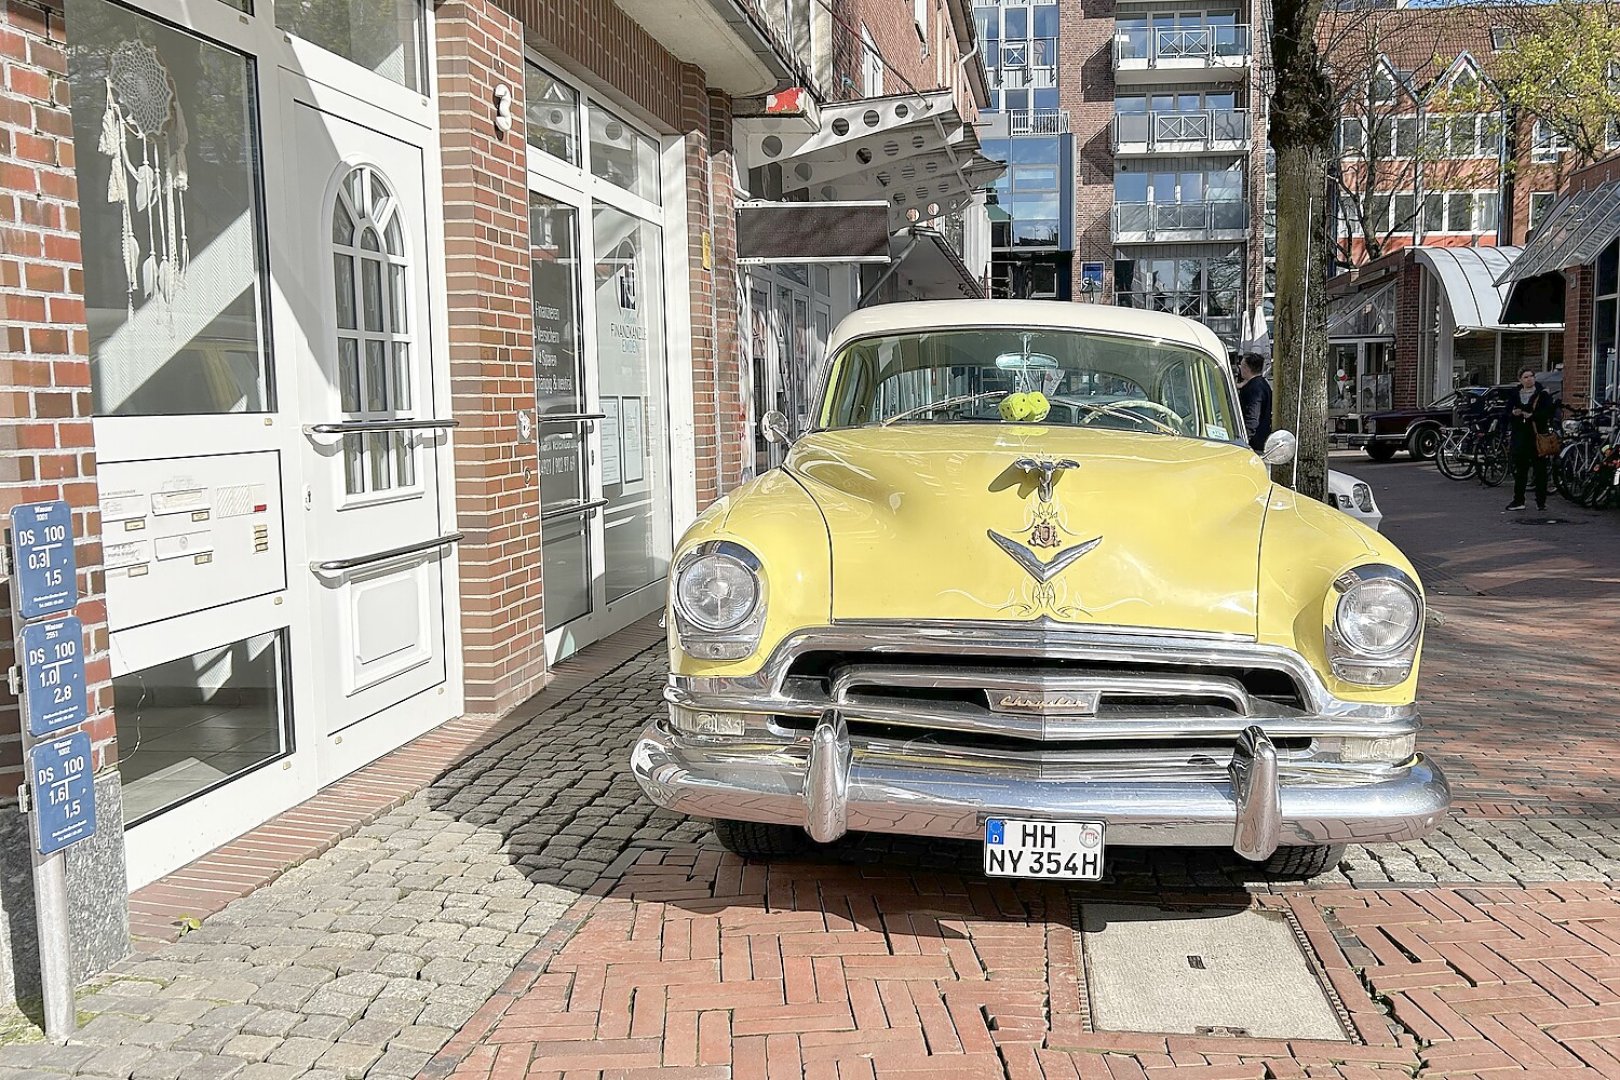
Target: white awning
[
  {"x": 910, "y": 150},
  {"x": 1468, "y": 277}
]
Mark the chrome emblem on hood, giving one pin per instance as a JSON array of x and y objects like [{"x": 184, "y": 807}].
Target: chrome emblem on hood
[
  {"x": 1041, "y": 572},
  {"x": 1047, "y": 471},
  {"x": 1045, "y": 702}
]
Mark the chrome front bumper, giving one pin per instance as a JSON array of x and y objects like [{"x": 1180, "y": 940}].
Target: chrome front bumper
[{"x": 1254, "y": 804}]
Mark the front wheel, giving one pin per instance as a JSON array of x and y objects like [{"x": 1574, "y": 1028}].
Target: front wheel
[
  {"x": 760, "y": 840},
  {"x": 1453, "y": 463},
  {"x": 1423, "y": 443},
  {"x": 1379, "y": 451},
  {"x": 1302, "y": 862},
  {"x": 1493, "y": 462}
]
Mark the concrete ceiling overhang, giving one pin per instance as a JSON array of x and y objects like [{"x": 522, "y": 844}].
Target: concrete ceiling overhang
[{"x": 719, "y": 36}]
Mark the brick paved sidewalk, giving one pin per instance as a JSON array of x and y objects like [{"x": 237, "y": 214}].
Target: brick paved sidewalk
[{"x": 698, "y": 965}]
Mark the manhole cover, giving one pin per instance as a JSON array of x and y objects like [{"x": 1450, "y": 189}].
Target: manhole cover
[{"x": 1202, "y": 971}]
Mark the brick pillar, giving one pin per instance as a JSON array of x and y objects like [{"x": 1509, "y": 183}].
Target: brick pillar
[
  {"x": 486, "y": 265},
  {"x": 1408, "y": 283},
  {"x": 47, "y": 451},
  {"x": 708, "y": 463},
  {"x": 1086, "y": 89},
  {"x": 1578, "y": 292},
  {"x": 731, "y": 338}
]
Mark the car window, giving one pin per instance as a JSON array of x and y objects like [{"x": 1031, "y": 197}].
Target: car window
[{"x": 1083, "y": 379}]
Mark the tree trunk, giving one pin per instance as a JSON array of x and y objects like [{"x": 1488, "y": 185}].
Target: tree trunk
[
  {"x": 1300, "y": 347},
  {"x": 1304, "y": 112}
]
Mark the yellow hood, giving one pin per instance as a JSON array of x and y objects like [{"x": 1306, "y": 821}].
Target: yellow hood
[{"x": 910, "y": 510}]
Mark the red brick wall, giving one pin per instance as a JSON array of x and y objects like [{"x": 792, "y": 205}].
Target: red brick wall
[
  {"x": 597, "y": 36},
  {"x": 1406, "y": 334},
  {"x": 486, "y": 266},
  {"x": 46, "y": 444},
  {"x": 1086, "y": 90},
  {"x": 730, "y": 408},
  {"x": 1578, "y": 292}
]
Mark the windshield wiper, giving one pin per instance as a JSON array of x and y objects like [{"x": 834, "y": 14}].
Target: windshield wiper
[
  {"x": 964, "y": 399},
  {"x": 1115, "y": 410}
]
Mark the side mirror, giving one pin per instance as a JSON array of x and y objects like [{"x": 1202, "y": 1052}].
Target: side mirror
[
  {"x": 774, "y": 426},
  {"x": 1280, "y": 449}
]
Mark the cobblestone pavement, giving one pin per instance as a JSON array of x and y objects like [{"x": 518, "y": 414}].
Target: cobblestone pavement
[
  {"x": 363, "y": 962},
  {"x": 701, "y": 966}
]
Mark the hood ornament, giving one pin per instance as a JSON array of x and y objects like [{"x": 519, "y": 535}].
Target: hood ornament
[
  {"x": 1045, "y": 527},
  {"x": 1046, "y": 470}
]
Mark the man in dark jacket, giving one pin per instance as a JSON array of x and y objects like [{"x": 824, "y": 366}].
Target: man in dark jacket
[
  {"x": 1254, "y": 395},
  {"x": 1530, "y": 412}
]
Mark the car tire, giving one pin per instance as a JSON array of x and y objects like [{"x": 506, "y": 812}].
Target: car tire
[
  {"x": 1381, "y": 451},
  {"x": 1423, "y": 443},
  {"x": 759, "y": 839},
  {"x": 1302, "y": 862}
]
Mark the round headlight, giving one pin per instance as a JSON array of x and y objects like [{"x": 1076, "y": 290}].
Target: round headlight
[
  {"x": 1378, "y": 616},
  {"x": 1363, "y": 496},
  {"x": 717, "y": 592}
]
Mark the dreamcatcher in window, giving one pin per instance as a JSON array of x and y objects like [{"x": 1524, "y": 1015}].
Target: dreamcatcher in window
[{"x": 143, "y": 133}]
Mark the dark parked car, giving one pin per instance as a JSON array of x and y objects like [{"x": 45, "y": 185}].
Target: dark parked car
[{"x": 1418, "y": 430}]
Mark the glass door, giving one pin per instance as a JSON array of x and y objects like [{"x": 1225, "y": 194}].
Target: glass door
[{"x": 570, "y": 490}]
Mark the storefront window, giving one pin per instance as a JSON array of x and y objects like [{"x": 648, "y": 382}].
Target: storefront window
[
  {"x": 1605, "y": 331},
  {"x": 167, "y": 155},
  {"x": 189, "y": 725},
  {"x": 623, "y": 156},
  {"x": 551, "y": 112},
  {"x": 630, "y": 362},
  {"x": 385, "y": 36}
]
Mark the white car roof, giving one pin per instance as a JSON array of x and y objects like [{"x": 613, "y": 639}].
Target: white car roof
[{"x": 1040, "y": 314}]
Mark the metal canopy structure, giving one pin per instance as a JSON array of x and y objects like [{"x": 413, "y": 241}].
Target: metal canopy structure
[
  {"x": 1363, "y": 316},
  {"x": 1468, "y": 279},
  {"x": 910, "y": 150},
  {"x": 1578, "y": 227},
  {"x": 925, "y": 267}
]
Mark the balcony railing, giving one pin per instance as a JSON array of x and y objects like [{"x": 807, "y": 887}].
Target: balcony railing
[
  {"x": 1040, "y": 122},
  {"x": 1182, "y": 132},
  {"x": 1140, "y": 223},
  {"x": 1191, "y": 46},
  {"x": 1187, "y": 305}
]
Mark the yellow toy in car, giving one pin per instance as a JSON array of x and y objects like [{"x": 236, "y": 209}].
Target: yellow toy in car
[{"x": 1025, "y": 408}]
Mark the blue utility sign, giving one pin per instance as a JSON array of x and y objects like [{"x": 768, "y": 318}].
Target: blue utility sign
[
  {"x": 64, "y": 798},
  {"x": 43, "y": 581},
  {"x": 53, "y": 674}
]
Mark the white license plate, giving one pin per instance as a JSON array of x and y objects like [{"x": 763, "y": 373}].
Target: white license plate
[{"x": 1068, "y": 850}]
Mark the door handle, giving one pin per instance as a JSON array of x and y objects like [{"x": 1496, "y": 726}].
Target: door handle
[
  {"x": 573, "y": 508},
  {"x": 349, "y": 426},
  {"x": 571, "y": 418},
  {"x": 333, "y": 566}
]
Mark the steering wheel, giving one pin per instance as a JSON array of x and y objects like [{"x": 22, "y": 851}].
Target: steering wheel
[{"x": 1176, "y": 420}]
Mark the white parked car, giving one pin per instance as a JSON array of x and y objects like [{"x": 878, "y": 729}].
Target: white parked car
[{"x": 1354, "y": 497}]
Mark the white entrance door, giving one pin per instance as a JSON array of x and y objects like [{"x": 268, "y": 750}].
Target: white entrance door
[{"x": 377, "y": 508}]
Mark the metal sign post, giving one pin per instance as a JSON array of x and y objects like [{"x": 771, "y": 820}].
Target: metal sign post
[{"x": 49, "y": 681}]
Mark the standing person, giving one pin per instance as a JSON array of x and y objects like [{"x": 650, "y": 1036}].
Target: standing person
[
  {"x": 1254, "y": 395},
  {"x": 1530, "y": 414}
]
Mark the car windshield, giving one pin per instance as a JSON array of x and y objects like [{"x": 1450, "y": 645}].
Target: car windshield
[{"x": 1050, "y": 376}]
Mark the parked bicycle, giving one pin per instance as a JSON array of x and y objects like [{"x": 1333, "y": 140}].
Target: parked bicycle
[
  {"x": 1587, "y": 436},
  {"x": 1476, "y": 445}
]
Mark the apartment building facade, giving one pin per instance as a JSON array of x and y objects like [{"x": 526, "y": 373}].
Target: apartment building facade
[
  {"x": 1152, "y": 117},
  {"x": 382, "y": 351},
  {"x": 1439, "y": 186}
]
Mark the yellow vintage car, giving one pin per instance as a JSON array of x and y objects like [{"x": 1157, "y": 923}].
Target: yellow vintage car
[{"x": 1025, "y": 583}]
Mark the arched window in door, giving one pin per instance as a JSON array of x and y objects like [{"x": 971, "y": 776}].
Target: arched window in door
[{"x": 371, "y": 278}]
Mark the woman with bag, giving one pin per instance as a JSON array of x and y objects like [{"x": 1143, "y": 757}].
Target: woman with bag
[{"x": 1530, "y": 413}]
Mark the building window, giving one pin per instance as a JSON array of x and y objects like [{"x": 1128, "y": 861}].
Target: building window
[
  {"x": 551, "y": 114},
  {"x": 871, "y": 64},
  {"x": 1605, "y": 329},
  {"x": 1540, "y": 203},
  {"x": 1207, "y": 289},
  {"x": 371, "y": 283},
  {"x": 1459, "y": 211},
  {"x": 188, "y": 726},
  {"x": 171, "y": 217},
  {"x": 1501, "y": 38},
  {"x": 1547, "y": 144},
  {"x": 623, "y": 156},
  {"x": 385, "y": 36}
]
